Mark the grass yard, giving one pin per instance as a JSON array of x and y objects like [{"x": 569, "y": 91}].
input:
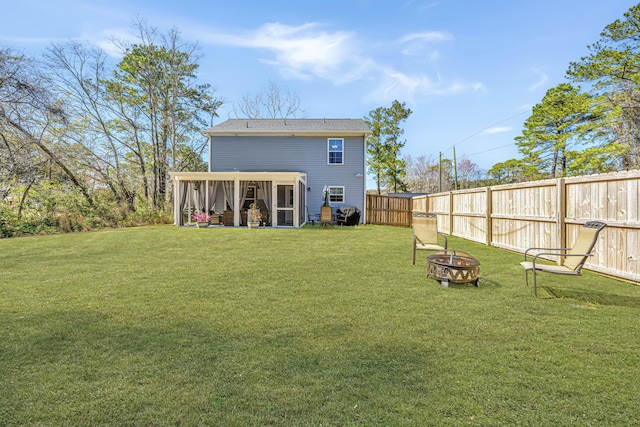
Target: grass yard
[{"x": 241, "y": 327}]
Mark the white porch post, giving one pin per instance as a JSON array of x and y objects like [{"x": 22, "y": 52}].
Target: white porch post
[
  {"x": 206, "y": 195},
  {"x": 236, "y": 202},
  {"x": 176, "y": 202},
  {"x": 296, "y": 202}
]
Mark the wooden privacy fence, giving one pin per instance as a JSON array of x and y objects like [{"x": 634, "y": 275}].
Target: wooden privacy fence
[
  {"x": 389, "y": 210},
  {"x": 548, "y": 214}
]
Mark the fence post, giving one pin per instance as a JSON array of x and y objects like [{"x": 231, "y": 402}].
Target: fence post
[
  {"x": 488, "y": 213},
  {"x": 561, "y": 206},
  {"x": 410, "y": 221}
]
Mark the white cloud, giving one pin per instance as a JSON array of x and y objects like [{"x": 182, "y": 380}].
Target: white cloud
[
  {"x": 427, "y": 36},
  {"x": 301, "y": 51},
  {"x": 542, "y": 79},
  {"x": 108, "y": 39},
  {"x": 311, "y": 51},
  {"x": 420, "y": 44},
  {"x": 496, "y": 129},
  {"x": 398, "y": 85}
]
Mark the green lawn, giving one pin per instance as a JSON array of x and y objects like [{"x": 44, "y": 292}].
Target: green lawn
[{"x": 242, "y": 327}]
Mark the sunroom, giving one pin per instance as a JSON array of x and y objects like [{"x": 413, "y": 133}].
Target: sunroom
[{"x": 227, "y": 196}]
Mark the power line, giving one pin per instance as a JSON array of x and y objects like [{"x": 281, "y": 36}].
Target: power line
[
  {"x": 491, "y": 149},
  {"x": 485, "y": 128}
]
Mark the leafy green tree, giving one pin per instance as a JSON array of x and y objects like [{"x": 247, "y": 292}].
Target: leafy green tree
[
  {"x": 554, "y": 125},
  {"x": 507, "y": 172},
  {"x": 396, "y": 114},
  {"x": 167, "y": 106},
  {"x": 377, "y": 154},
  {"x": 384, "y": 145},
  {"x": 613, "y": 70}
]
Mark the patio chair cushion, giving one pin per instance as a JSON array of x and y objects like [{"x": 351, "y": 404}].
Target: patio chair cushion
[
  {"x": 584, "y": 245},
  {"x": 557, "y": 269},
  {"x": 429, "y": 247},
  {"x": 425, "y": 234}
]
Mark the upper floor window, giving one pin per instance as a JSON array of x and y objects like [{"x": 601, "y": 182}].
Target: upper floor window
[{"x": 336, "y": 151}]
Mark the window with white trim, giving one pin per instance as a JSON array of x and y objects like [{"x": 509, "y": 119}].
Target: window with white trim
[
  {"x": 335, "y": 147},
  {"x": 336, "y": 194}
]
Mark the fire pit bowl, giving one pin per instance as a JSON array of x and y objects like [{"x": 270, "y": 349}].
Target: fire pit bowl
[{"x": 453, "y": 266}]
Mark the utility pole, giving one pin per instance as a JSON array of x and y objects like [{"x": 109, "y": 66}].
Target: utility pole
[
  {"x": 440, "y": 173},
  {"x": 455, "y": 169}
]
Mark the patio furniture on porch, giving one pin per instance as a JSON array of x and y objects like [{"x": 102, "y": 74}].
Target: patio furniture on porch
[
  {"x": 573, "y": 258},
  {"x": 326, "y": 216},
  {"x": 216, "y": 218},
  {"x": 425, "y": 234},
  {"x": 228, "y": 218}
]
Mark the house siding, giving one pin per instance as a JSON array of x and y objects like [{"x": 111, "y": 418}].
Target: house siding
[{"x": 307, "y": 154}]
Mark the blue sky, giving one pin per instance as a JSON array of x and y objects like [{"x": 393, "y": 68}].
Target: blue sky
[{"x": 470, "y": 70}]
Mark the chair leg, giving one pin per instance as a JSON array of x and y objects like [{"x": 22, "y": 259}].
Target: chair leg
[
  {"x": 526, "y": 277},
  {"x": 413, "y": 262},
  {"x": 535, "y": 284}
]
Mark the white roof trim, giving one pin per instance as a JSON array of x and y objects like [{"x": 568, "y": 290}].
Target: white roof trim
[{"x": 242, "y": 176}]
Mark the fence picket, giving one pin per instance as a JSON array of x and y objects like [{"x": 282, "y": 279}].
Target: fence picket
[{"x": 544, "y": 213}]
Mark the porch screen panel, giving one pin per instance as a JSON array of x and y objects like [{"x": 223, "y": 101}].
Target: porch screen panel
[
  {"x": 227, "y": 186},
  {"x": 265, "y": 188},
  {"x": 200, "y": 196},
  {"x": 184, "y": 190},
  {"x": 213, "y": 191},
  {"x": 244, "y": 187}
]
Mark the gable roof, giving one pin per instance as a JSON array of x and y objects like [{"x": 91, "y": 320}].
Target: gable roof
[{"x": 290, "y": 127}]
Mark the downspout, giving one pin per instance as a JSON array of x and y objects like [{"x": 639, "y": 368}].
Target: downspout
[{"x": 363, "y": 217}]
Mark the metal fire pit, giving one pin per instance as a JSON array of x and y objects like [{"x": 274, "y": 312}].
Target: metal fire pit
[{"x": 453, "y": 266}]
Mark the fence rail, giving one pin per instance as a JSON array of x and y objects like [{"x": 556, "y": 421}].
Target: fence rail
[
  {"x": 545, "y": 213},
  {"x": 549, "y": 213},
  {"x": 389, "y": 210}
]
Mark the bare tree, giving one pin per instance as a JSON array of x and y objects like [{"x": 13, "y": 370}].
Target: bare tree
[
  {"x": 32, "y": 116},
  {"x": 80, "y": 73},
  {"x": 272, "y": 102},
  {"x": 468, "y": 173},
  {"x": 422, "y": 174}
]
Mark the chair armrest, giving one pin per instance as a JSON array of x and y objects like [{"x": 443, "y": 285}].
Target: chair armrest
[
  {"x": 445, "y": 239},
  {"x": 544, "y": 249}
]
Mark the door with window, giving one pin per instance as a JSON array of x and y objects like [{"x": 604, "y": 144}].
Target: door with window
[{"x": 284, "y": 205}]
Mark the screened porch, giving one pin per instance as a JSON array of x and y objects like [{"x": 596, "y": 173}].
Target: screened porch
[{"x": 227, "y": 196}]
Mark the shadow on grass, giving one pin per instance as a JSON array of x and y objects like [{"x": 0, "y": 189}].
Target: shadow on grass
[{"x": 593, "y": 297}]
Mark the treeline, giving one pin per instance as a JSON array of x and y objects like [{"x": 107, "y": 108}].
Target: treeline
[{"x": 85, "y": 142}]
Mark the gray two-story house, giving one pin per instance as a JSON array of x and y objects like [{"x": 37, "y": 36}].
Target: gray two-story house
[{"x": 284, "y": 166}]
